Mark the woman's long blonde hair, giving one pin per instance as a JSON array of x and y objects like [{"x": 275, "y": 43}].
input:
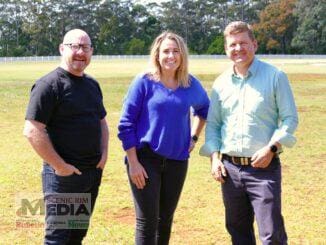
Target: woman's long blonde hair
[{"x": 182, "y": 75}]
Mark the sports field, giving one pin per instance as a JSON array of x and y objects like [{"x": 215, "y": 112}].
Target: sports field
[{"x": 199, "y": 218}]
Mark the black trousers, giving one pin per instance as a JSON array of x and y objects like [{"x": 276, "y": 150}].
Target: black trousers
[{"x": 156, "y": 203}]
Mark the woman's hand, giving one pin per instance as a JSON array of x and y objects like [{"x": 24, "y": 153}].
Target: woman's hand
[{"x": 137, "y": 174}]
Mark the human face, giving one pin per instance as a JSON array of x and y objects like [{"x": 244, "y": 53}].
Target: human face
[
  {"x": 169, "y": 56},
  {"x": 76, "y": 60},
  {"x": 240, "y": 49}
]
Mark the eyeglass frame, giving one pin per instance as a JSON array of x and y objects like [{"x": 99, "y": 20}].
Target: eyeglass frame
[{"x": 88, "y": 47}]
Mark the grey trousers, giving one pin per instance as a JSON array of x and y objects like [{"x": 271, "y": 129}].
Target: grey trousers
[{"x": 254, "y": 192}]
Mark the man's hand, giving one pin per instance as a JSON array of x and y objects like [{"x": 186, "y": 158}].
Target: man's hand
[
  {"x": 262, "y": 158},
  {"x": 66, "y": 170},
  {"x": 137, "y": 174},
  {"x": 217, "y": 168}
]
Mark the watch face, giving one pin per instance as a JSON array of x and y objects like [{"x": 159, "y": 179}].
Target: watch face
[
  {"x": 194, "y": 138},
  {"x": 273, "y": 148}
]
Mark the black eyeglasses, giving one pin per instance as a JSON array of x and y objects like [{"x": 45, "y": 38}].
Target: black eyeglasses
[{"x": 76, "y": 46}]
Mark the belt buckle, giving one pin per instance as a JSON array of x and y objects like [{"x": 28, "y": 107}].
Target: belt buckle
[
  {"x": 242, "y": 160},
  {"x": 246, "y": 161},
  {"x": 233, "y": 159}
]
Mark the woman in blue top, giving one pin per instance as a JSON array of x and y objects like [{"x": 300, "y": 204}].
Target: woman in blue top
[{"x": 155, "y": 132}]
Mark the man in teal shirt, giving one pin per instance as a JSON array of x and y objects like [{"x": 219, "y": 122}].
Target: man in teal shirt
[{"x": 251, "y": 116}]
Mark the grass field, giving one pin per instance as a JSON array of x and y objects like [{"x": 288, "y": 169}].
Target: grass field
[{"x": 199, "y": 218}]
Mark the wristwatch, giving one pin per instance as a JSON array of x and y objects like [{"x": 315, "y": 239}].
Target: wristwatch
[
  {"x": 273, "y": 148},
  {"x": 194, "y": 138}
]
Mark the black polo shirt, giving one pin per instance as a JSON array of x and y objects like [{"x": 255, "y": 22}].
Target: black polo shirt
[{"x": 71, "y": 107}]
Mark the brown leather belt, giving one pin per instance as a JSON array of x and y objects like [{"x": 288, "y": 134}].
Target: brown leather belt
[{"x": 244, "y": 161}]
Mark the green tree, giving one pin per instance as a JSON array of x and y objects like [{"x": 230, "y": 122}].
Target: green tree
[
  {"x": 46, "y": 22},
  {"x": 11, "y": 34},
  {"x": 36, "y": 27},
  {"x": 245, "y": 10},
  {"x": 217, "y": 46},
  {"x": 145, "y": 25},
  {"x": 310, "y": 36},
  {"x": 136, "y": 46},
  {"x": 276, "y": 26},
  {"x": 197, "y": 22},
  {"x": 115, "y": 27}
]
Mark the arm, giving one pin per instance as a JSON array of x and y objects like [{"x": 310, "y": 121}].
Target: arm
[
  {"x": 288, "y": 121},
  {"x": 288, "y": 117},
  {"x": 36, "y": 134},
  {"x": 197, "y": 126},
  {"x": 104, "y": 143},
  {"x": 131, "y": 110},
  {"x": 213, "y": 127},
  {"x": 136, "y": 170},
  {"x": 127, "y": 131},
  {"x": 200, "y": 110},
  {"x": 212, "y": 144}
]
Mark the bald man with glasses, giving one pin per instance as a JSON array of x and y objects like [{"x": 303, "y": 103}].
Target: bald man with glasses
[{"x": 66, "y": 126}]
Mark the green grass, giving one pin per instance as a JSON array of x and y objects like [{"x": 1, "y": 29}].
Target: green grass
[{"x": 199, "y": 218}]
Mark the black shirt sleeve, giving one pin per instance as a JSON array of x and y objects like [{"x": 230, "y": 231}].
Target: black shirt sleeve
[
  {"x": 103, "y": 111},
  {"x": 42, "y": 102}
]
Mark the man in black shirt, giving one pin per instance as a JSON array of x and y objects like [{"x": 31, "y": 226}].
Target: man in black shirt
[{"x": 66, "y": 126}]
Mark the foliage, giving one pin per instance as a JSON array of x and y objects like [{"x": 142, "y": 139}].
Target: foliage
[
  {"x": 310, "y": 36},
  {"x": 136, "y": 46},
  {"x": 276, "y": 26},
  {"x": 217, "y": 46},
  {"x": 36, "y": 27}
]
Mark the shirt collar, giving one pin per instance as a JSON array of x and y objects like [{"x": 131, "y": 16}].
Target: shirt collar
[
  {"x": 253, "y": 67},
  {"x": 251, "y": 71}
]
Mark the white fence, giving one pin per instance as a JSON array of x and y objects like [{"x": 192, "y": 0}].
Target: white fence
[{"x": 128, "y": 57}]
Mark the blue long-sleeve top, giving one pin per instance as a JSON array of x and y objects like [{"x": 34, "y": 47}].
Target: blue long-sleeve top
[{"x": 160, "y": 117}]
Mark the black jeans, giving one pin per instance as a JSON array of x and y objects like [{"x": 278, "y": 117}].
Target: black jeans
[
  {"x": 88, "y": 182},
  {"x": 156, "y": 203}
]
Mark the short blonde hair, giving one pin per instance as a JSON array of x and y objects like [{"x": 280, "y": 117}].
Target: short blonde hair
[
  {"x": 182, "y": 74},
  {"x": 236, "y": 27}
]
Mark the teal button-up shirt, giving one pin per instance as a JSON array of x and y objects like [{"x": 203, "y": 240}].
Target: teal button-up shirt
[{"x": 248, "y": 113}]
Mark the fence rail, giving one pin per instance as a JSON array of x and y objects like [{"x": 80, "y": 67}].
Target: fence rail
[{"x": 128, "y": 57}]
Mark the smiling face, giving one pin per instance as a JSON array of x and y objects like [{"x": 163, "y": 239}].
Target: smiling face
[
  {"x": 240, "y": 48},
  {"x": 169, "y": 56},
  {"x": 75, "y": 61}
]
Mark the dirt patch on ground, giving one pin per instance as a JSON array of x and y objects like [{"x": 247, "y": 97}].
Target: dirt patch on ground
[
  {"x": 125, "y": 215},
  {"x": 320, "y": 160},
  {"x": 307, "y": 77},
  {"x": 302, "y": 109}
]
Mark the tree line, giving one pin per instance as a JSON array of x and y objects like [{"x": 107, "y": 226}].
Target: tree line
[{"x": 36, "y": 27}]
